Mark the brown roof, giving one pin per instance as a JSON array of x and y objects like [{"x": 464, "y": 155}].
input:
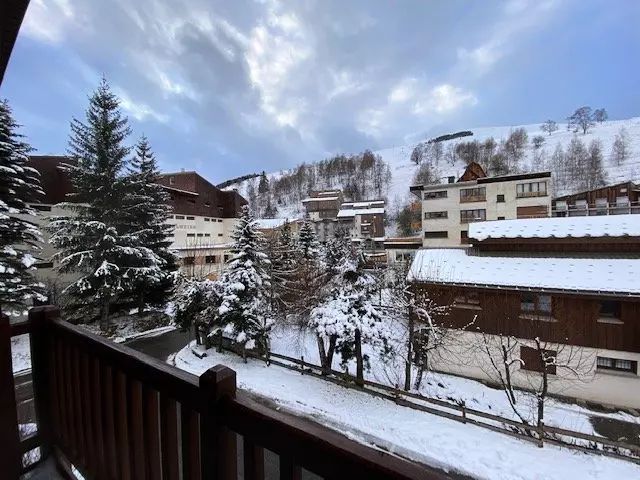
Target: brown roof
[{"x": 55, "y": 182}]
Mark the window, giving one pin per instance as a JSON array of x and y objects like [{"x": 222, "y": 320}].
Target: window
[
  {"x": 219, "y": 234},
  {"x": 500, "y": 218},
  {"x": 190, "y": 218},
  {"x": 464, "y": 236},
  {"x": 609, "y": 312},
  {"x": 439, "y": 234},
  {"x": 468, "y": 300},
  {"x": 219, "y": 220},
  {"x": 476, "y": 194},
  {"x": 434, "y": 195},
  {"x": 44, "y": 265},
  {"x": 534, "y": 305},
  {"x": 207, "y": 234},
  {"x": 189, "y": 260},
  {"x": 404, "y": 256},
  {"x": 207, "y": 220},
  {"x": 191, "y": 235},
  {"x": 42, "y": 208},
  {"x": 534, "y": 360},
  {"x": 477, "y": 215},
  {"x": 211, "y": 259},
  {"x": 179, "y": 217},
  {"x": 200, "y": 234},
  {"x": 500, "y": 198},
  {"x": 531, "y": 189},
  {"x": 434, "y": 215},
  {"x": 172, "y": 180},
  {"x": 617, "y": 364}
]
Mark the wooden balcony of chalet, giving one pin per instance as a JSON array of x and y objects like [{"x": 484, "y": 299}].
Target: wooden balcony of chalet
[
  {"x": 114, "y": 413},
  {"x": 587, "y": 210}
]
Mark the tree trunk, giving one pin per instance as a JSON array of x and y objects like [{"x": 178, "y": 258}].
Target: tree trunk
[
  {"x": 330, "y": 351},
  {"x": 141, "y": 304},
  {"x": 104, "y": 316},
  {"x": 359, "y": 360},
  {"x": 322, "y": 354},
  {"x": 408, "y": 362},
  {"x": 220, "y": 339},
  {"x": 507, "y": 374}
]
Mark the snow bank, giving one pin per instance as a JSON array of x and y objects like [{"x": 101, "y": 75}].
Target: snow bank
[
  {"x": 458, "y": 266},
  {"x": 561, "y": 227},
  {"x": 436, "y": 441}
]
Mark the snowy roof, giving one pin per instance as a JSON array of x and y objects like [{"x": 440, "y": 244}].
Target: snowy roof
[
  {"x": 166, "y": 187},
  {"x": 351, "y": 212},
  {"x": 362, "y": 204},
  {"x": 319, "y": 199},
  {"x": 559, "y": 227},
  {"x": 579, "y": 274},
  {"x": 268, "y": 223}
]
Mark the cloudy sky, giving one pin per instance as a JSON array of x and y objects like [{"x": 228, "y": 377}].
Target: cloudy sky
[{"x": 232, "y": 87}]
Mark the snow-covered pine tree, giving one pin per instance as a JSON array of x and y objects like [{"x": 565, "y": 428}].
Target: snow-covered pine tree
[
  {"x": 244, "y": 312},
  {"x": 19, "y": 237},
  {"x": 307, "y": 240},
  {"x": 152, "y": 282},
  {"x": 96, "y": 239},
  {"x": 284, "y": 270},
  {"x": 349, "y": 317}
]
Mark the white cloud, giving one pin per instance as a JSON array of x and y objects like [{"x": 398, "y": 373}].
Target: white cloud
[
  {"x": 139, "y": 110},
  {"x": 519, "y": 17},
  {"x": 47, "y": 20},
  {"x": 444, "y": 98}
]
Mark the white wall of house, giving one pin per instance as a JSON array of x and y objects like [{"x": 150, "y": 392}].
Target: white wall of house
[
  {"x": 194, "y": 229},
  {"x": 494, "y": 209},
  {"x": 465, "y": 356}
]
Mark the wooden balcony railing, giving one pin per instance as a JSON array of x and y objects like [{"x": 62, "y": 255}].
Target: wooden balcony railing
[
  {"x": 114, "y": 413},
  {"x": 594, "y": 210}
]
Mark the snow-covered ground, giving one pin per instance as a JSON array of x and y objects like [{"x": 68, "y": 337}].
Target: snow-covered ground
[
  {"x": 426, "y": 438},
  {"x": 403, "y": 170},
  {"x": 21, "y": 353}
]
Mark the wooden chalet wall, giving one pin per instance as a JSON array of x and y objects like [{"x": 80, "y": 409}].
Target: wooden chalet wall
[
  {"x": 608, "y": 245},
  {"x": 576, "y": 318},
  {"x": 610, "y": 192}
]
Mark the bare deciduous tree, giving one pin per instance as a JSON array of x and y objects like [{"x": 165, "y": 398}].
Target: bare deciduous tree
[
  {"x": 581, "y": 119},
  {"x": 549, "y": 126},
  {"x": 600, "y": 115},
  {"x": 620, "y": 150}
]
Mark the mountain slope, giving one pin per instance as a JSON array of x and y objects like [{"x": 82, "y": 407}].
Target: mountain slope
[{"x": 403, "y": 169}]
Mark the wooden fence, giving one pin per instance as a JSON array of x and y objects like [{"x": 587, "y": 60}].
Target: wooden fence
[
  {"x": 461, "y": 413},
  {"x": 114, "y": 413}
]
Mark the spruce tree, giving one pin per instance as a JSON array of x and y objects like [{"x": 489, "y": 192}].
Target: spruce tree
[
  {"x": 153, "y": 282},
  {"x": 244, "y": 311},
  {"x": 307, "y": 240},
  {"x": 19, "y": 237},
  {"x": 96, "y": 240}
]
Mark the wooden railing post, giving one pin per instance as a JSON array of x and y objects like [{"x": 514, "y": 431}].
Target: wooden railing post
[
  {"x": 218, "y": 445},
  {"x": 10, "y": 458},
  {"x": 40, "y": 318}
]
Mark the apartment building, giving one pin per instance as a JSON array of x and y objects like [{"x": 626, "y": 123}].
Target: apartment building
[
  {"x": 322, "y": 209},
  {"x": 449, "y": 208},
  {"x": 203, "y": 217},
  {"x": 570, "y": 282},
  {"x": 363, "y": 220}
]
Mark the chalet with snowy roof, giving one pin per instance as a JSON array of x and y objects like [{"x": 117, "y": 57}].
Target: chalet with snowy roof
[
  {"x": 572, "y": 282},
  {"x": 618, "y": 199},
  {"x": 322, "y": 209},
  {"x": 448, "y": 209},
  {"x": 271, "y": 227},
  {"x": 363, "y": 220}
]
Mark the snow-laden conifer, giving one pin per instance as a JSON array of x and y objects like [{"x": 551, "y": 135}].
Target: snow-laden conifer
[
  {"x": 307, "y": 241},
  {"x": 19, "y": 236},
  {"x": 244, "y": 312},
  {"x": 97, "y": 239},
  {"x": 153, "y": 281}
]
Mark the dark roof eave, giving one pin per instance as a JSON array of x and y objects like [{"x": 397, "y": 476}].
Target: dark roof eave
[{"x": 528, "y": 289}]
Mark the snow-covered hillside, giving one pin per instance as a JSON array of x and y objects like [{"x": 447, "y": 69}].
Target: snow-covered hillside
[{"x": 403, "y": 170}]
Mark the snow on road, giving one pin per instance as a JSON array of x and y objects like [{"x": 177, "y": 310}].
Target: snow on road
[{"x": 425, "y": 438}]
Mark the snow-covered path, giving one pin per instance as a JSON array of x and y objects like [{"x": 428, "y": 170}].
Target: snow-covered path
[{"x": 425, "y": 438}]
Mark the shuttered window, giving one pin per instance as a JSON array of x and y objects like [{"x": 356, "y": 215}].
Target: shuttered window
[{"x": 532, "y": 360}]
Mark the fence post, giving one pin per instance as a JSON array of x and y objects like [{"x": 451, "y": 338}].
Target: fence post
[
  {"x": 40, "y": 319},
  {"x": 217, "y": 444},
  {"x": 10, "y": 459},
  {"x": 302, "y": 364},
  {"x": 464, "y": 412},
  {"x": 541, "y": 433}
]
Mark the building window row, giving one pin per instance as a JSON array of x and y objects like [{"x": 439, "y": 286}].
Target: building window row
[
  {"x": 476, "y": 215},
  {"x": 531, "y": 189},
  {"x": 436, "y": 234},
  {"x": 434, "y": 195},
  {"x": 617, "y": 364},
  {"x": 435, "y": 215},
  {"x": 475, "y": 194}
]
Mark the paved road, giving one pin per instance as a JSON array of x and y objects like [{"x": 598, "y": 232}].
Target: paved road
[{"x": 161, "y": 346}]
